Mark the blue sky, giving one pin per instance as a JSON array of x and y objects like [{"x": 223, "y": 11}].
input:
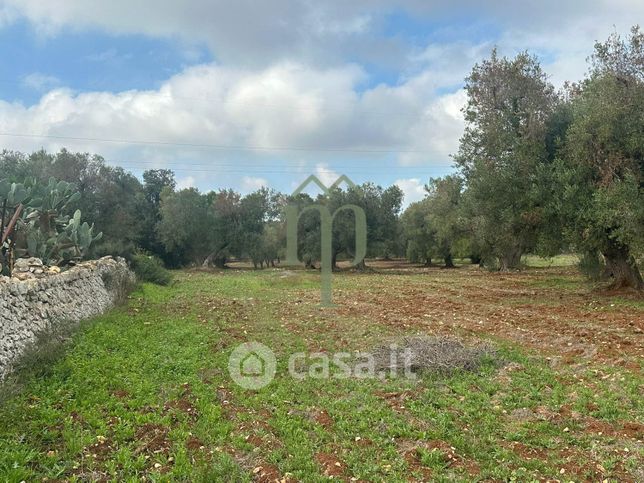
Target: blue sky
[{"x": 244, "y": 94}]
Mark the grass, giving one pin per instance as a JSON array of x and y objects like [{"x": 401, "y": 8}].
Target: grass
[
  {"x": 144, "y": 391},
  {"x": 534, "y": 261}
]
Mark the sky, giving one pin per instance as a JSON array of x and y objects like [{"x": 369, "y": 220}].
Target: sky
[{"x": 246, "y": 93}]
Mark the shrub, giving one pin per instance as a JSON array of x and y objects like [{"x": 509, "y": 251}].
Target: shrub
[{"x": 149, "y": 268}]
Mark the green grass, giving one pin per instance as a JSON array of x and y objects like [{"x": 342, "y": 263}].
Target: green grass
[
  {"x": 145, "y": 388},
  {"x": 535, "y": 261}
]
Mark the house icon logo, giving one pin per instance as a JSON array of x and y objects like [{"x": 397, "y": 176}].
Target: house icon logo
[{"x": 252, "y": 365}]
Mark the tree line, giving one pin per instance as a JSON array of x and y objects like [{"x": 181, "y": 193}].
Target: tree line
[
  {"x": 537, "y": 171},
  {"x": 541, "y": 171}
]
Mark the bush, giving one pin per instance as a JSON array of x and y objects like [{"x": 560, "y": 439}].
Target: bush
[{"x": 149, "y": 268}]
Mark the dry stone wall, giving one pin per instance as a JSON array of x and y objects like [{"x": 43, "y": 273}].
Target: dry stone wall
[{"x": 40, "y": 300}]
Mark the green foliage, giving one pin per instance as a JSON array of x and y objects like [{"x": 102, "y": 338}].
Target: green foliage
[
  {"x": 149, "y": 268},
  {"x": 436, "y": 227},
  {"x": 600, "y": 172},
  {"x": 507, "y": 138},
  {"x": 44, "y": 230},
  {"x": 418, "y": 233}
]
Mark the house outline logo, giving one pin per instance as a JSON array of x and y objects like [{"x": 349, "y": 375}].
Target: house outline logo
[
  {"x": 252, "y": 365},
  {"x": 293, "y": 214}
]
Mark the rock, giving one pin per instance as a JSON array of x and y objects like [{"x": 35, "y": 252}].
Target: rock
[
  {"x": 22, "y": 275},
  {"x": 26, "y": 264},
  {"x": 53, "y": 270}
]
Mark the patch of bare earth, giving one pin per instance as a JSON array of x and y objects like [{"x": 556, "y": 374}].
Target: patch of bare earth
[
  {"x": 331, "y": 465},
  {"x": 472, "y": 302},
  {"x": 411, "y": 452}
]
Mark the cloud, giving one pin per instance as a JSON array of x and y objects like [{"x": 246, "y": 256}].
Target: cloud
[
  {"x": 241, "y": 32},
  {"x": 286, "y": 109},
  {"x": 186, "y": 182},
  {"x": 412, "y": 188},
  {"x": 109, "y": 55},
  {"x": 247, "y": 32},
  {"x": 252, "y": 183},
  {"x": 40, "y": 82},
  {"x": 325, "y": 174}
]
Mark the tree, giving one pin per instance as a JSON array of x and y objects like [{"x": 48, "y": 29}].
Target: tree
[
  {"x": 308, "y": 228},
  {"x": 110, "y": 198},
  {"x": 381, "y": 208},
  {"x": 510, "y": 103},
  {"x": 444, "y": 217},
  {"x": 601, "y": 170},
  {"x": 418, "y": 234},
  {"x": 186, "y": 225},
  {"x": 155, "y": 181}
]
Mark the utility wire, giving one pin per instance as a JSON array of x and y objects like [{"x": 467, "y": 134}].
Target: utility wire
[{"x": 217, "y": 146}]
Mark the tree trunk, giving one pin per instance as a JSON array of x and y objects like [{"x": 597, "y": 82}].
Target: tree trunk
[
  {"x": 621, "y": 267},
  {"x": 510, "y": 260},
  {"x": 334, "y": 261},
  {"x": 428, "y": 262},
  {"x": 208, "y": 260},
  {"x": 449, "y": 263}
]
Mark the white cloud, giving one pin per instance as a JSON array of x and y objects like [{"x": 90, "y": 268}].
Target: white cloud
[
  {"x": 286, "y": 105},
  {"x": 40, "y": 82},
  {"x": 325, "y": 174},
  {"x": 252, "y": 183},
  {"x": 412, "y": 188},
  {"x": 186, "y": 182}
]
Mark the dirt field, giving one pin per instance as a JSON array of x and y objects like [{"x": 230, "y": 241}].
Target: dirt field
[{"x": 144, "y": 392}]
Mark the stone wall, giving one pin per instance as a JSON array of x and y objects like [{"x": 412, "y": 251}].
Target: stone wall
[{"x": 40, "y": 300}]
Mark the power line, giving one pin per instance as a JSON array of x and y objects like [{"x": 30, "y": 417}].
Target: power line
[
  {"x": 257, "y": 172},
  {"x": 217, "y": 146},
  {"x": 284, "y": 164}
]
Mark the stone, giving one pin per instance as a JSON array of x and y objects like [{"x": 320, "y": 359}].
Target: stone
[
  {"x": 25, "y": 264},
  {"x": 31, "y": 302},
  {"x": 23, "y": 275}
]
